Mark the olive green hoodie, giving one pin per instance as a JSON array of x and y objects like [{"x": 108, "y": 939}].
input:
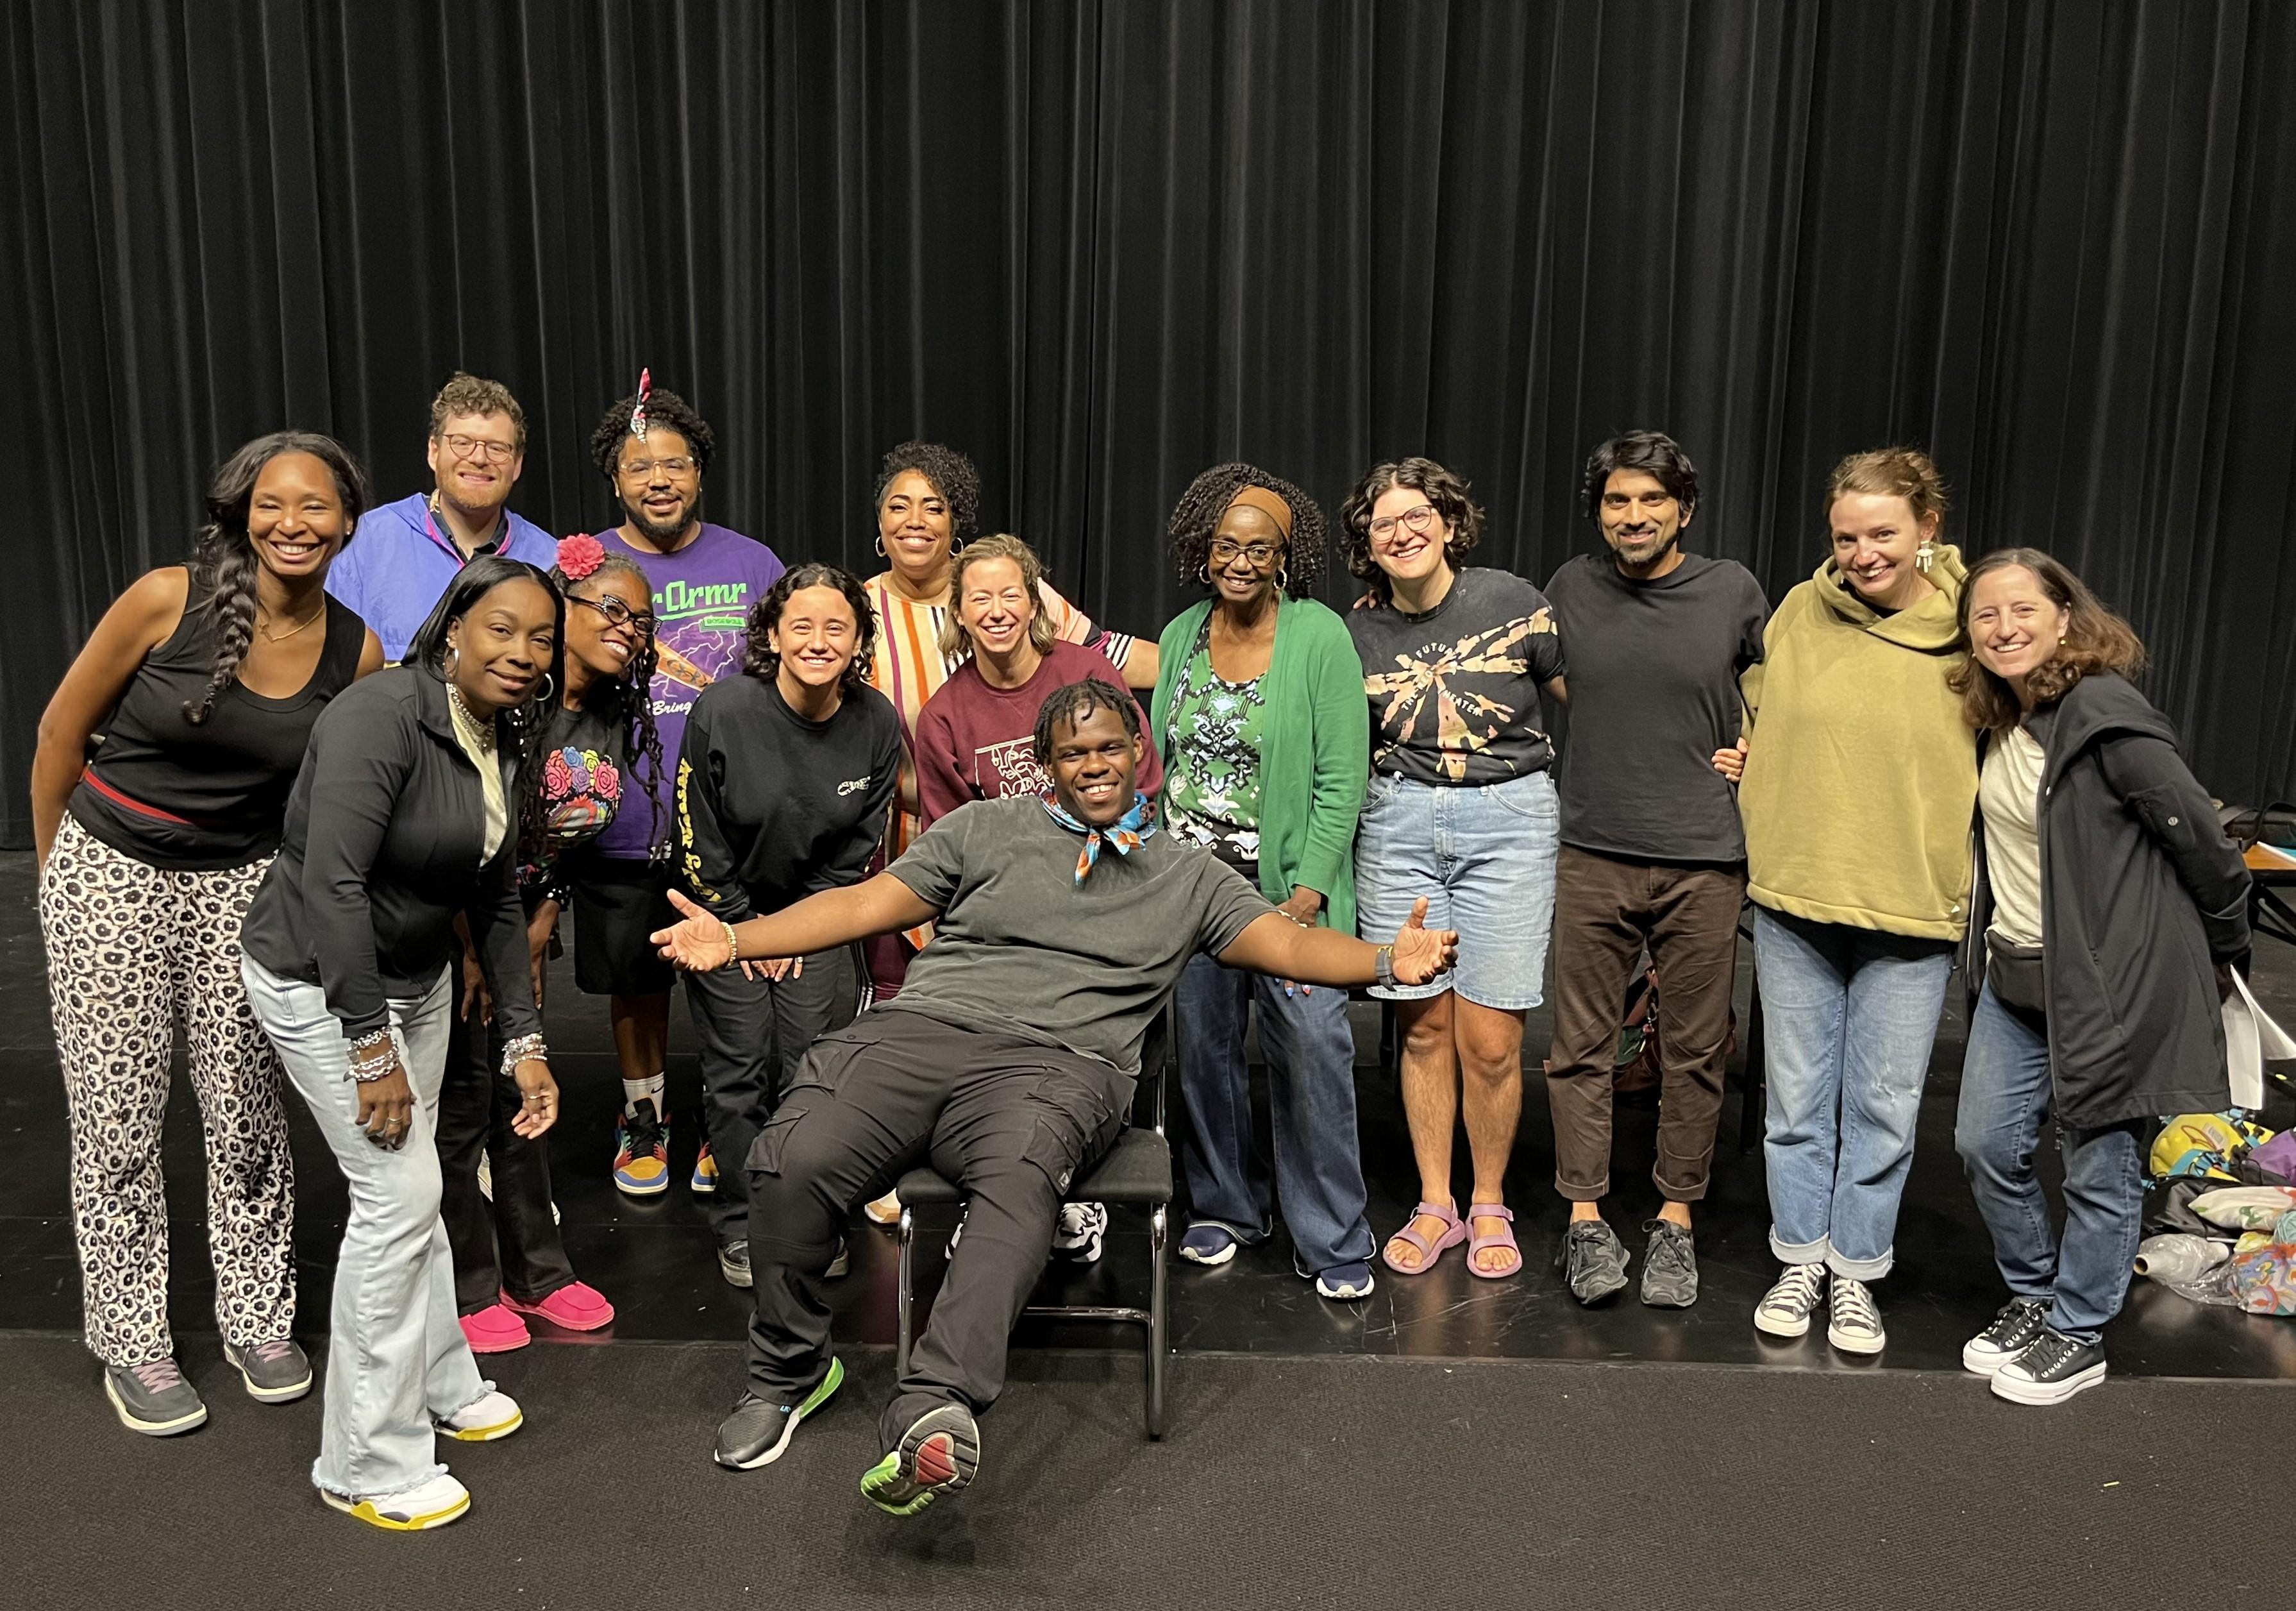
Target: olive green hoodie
[{"x": 1861, "y": 776}]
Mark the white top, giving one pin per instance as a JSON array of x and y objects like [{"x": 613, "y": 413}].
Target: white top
[
  {"x": 2009, "y": 795},
  {"x": 479, "y": 744}
]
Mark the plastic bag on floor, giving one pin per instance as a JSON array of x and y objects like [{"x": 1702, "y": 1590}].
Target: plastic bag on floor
[
  {"x": 2192, "y": 1267},
  {"x": 2264, "y": 1278},
  {"x": 2245, "y": 1207}
]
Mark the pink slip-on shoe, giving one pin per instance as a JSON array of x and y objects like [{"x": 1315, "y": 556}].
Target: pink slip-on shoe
[
  {"x": 577, "y": 1306},
  {"x": 494, "y": 1329}
]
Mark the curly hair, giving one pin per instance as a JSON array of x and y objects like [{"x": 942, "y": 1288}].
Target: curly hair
[
  {"x": 223, "y": 564},
  {"x": 1653, "y": 453},
  {"x": 1074, "y": 702},
  {"x": 2096, "y": 640},
  {"x": 1444, "y": 491},
  {"x": 1197, "y": 516},
  {"x": 952, "y": 476},
  {"x": 1905, "y": 472},
  {"x": 468, "y": 394},
  {"x": 663, "y": 408},
  {"x": 627, "y": 702},
  {"x": 955, "y": 642},
  {"x": 523, "y": 730},
  {"x": 759, "y": 659}
]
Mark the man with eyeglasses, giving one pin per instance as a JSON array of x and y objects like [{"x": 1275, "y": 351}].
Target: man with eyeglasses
[
  {"x": 654, "y": 450},
  {"x": 408, "y": 552}
]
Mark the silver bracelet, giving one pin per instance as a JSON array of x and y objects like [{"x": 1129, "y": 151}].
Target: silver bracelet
[
  {"x": 523, "y": 1048},
  {"x": 367, "y": 1070}
]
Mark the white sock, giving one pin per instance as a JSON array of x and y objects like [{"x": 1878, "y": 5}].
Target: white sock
[{"x": 634, "y": 1091}]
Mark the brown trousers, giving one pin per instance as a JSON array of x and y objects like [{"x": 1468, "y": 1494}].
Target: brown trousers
[{"x": 1605, "y": 911}]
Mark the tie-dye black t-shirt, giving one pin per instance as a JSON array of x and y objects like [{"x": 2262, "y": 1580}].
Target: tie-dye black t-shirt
[{"x": 1455, "y": 692}]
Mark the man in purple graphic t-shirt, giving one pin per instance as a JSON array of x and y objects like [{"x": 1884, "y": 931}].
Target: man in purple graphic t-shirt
[{"x": 653, "y": 449}]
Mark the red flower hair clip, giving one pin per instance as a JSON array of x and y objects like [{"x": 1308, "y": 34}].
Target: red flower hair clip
[{"x": 580, "y": 555}]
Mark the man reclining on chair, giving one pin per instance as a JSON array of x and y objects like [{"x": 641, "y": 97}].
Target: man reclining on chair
[{"x": 1007, "y": 1060}]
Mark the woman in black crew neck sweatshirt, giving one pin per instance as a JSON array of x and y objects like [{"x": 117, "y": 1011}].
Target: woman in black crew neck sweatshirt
[
  {"x": 783, "y": 786},
  {"x": 205, "y": 679},
  {"x": 404, "y": 814}
]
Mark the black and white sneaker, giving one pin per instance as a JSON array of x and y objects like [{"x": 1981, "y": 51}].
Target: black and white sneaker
[
  {"x": 2017, "y": 1327},
  {"x": 1077, "y": 1234},
  {"x": 1854, "y": 1325},
  {"x": 2051, "y": 1371},
  {"x": 1785, "y": 1308},
  {"x": 758, "y": 1432}
]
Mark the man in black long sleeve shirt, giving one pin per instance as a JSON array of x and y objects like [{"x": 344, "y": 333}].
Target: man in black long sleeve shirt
[{"x": 773, "y": 805}]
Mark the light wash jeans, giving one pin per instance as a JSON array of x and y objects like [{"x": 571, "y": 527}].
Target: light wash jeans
[
  {"x": 1311, "y": 1099},
  {"x": 396, "y": 1353},
  {"x": 1848, "y": 1015},
  {"x": 2005, "y": 1093}
]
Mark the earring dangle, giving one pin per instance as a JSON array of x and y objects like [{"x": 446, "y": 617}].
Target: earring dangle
[{"x": 1924, "y": 556}]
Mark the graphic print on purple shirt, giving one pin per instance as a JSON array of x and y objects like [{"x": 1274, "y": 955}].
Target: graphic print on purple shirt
[{"x": 702, "y": 596}]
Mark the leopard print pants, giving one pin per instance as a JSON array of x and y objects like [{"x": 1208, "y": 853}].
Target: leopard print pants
[{"x": 130, "y": 947}]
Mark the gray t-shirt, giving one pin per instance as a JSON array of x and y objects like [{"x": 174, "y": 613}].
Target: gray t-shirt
[
  {"x": 1655, "y": 671},
  {"x": 1022, "y": 949}
]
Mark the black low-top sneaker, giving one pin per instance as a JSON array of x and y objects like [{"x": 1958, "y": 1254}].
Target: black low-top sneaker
[
  {"x": 2017, "y": 1327},
  {"x": 276, "y": 1372},
  {"x": 939, "y": 1453},
  {"x": 758, "y": 1432},
  {"x": 2052, "y": 1370},
  {"x": 1593, "y": 1261},
  {"x": 733, "y": 1262},
  {"x": 1669, "y": 1266},
  {"x": 153, "y": 1399}
]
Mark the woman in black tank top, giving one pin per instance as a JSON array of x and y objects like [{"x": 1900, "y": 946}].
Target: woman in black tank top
[{"x": 203, "y": 680}]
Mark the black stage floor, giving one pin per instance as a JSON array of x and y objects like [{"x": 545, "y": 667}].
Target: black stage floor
[{"x": 655, "y": 1262}]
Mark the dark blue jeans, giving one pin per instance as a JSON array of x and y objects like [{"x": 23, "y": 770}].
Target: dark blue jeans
[
  {"x": 1311, "y": 1058},
  {"x": 2005, "y": 1093}
]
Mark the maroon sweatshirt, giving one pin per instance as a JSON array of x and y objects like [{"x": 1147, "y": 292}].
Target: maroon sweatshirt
[{"x": 978, "y": 743}]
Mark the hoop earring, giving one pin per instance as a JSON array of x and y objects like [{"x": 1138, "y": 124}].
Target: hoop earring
[
  {"x": 880, "y": 546},
  {"x": 454, "y": 658},
  {"x": 1204, "y": 573},
  {"x": 1283, "y": 579},
  {"x": 549, "y": 687}
]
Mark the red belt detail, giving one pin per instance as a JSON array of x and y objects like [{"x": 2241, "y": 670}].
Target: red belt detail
[{"x": 87, "y": 775}]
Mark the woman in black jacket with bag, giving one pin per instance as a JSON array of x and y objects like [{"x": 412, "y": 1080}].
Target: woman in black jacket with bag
[{"x": 2109, "y": 909}]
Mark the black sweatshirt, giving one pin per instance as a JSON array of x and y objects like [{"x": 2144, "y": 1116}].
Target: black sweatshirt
[
  {"x": 384, "y": 826},
  {"x": 771, "y": 807}
]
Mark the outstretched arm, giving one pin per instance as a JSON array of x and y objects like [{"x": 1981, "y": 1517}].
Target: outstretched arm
[
  {"x": 1276, "y": 946},
  {"x": 884, "y": 905}
]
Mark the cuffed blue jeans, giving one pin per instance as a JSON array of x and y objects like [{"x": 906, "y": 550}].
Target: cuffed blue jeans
[
  {"x": 1311, "y": 1055},
  {"x": 1848, "y": 1015},
  {"x": 395, "y": 1354},
  {"x": 2005, "y": 1093}
]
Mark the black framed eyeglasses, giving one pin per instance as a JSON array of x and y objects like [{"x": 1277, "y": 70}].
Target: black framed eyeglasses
[
  {"x": 617, "y": 614},
  {"x": 1261, "y": 555}
]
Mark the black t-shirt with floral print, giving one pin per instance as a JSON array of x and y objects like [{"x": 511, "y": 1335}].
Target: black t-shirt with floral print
[{"x": 1453, "y": 691}]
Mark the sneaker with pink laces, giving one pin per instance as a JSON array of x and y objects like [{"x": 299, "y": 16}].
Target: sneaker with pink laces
[
  {"x": 577, "y": 1306},
  {"x": 494, "y": 1329}
]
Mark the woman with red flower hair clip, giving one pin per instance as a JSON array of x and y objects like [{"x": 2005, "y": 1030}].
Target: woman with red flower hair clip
[{"x": 603, "y": 757}]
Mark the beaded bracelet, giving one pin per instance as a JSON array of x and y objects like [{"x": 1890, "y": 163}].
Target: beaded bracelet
[
  {"x": 733, "y": 944},
  {"x": 366, "y": 1069},
  {"x": 522, "y": 1049}
]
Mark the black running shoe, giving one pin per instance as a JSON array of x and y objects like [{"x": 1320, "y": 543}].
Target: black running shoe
[
  {"x": 1669, "y": 1266},
  {"x": 1593, "y": 1261}
]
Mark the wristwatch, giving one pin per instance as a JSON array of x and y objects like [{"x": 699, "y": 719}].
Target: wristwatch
[{"x": 1383, "y": 964}]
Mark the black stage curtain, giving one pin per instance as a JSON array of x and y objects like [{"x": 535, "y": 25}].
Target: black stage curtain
[{"x": 1103, "y": 245}]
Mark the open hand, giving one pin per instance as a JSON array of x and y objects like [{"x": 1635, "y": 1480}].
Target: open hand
[
  {"x": 1420, "y": 953},
  {"x": 1732, "y": 762},
  {"x": 539, "y": 1109},
  {"x": 698, "y": 943}
]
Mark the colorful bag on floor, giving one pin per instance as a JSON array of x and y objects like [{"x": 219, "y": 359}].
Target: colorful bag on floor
[
  {"x": 2264, "y": 1278},
  {"x": 2245, "y": 1207},
  {"x": 2206, "y": 1146},
  {"x": 2275, "y": 1160}
]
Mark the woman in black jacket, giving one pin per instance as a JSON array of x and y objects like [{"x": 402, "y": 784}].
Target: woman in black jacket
[
  {"x": 402, "y": 817},
  {"x": 2108, "y": 910}
]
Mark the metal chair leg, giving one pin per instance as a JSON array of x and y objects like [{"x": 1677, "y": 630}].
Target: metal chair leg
[
  {"x": 1157, "y": 1231},
  {"x": 908, "y": 1232}
]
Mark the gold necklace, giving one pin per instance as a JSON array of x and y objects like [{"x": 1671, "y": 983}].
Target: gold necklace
[{"x": 281, "y": 638}]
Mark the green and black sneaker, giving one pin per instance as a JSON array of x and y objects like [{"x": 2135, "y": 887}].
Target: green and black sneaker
[
  {"x": 758, "y": 1432},
  {"x": 939, "y": 1453}
]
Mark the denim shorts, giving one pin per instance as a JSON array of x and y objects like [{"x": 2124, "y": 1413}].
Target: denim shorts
[{"x": 1484, "y": 859}]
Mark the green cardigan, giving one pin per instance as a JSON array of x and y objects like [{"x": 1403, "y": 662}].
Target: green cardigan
[{"x": 1315, "y": 751}]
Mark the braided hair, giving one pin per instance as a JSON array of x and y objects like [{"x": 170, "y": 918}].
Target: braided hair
[
  {"x": 952, "y": 476},
  {"x": 627, "y": 702},
  {"x": 1074, "y": 706},
  {"x": 523, "y": 730},
  {"x": 223, "y": 564},
  {"x": 1197, "y": 515}
]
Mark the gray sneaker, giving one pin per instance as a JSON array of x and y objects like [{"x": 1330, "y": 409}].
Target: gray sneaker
[
  {"x": 275, "y": 1372},
  {"x": 1669, "y": 1266},
  {"x": 153, "y": 1399},
  {"x": 734, "y": 1261},
  {"x": 1593, "y": 1261}
]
